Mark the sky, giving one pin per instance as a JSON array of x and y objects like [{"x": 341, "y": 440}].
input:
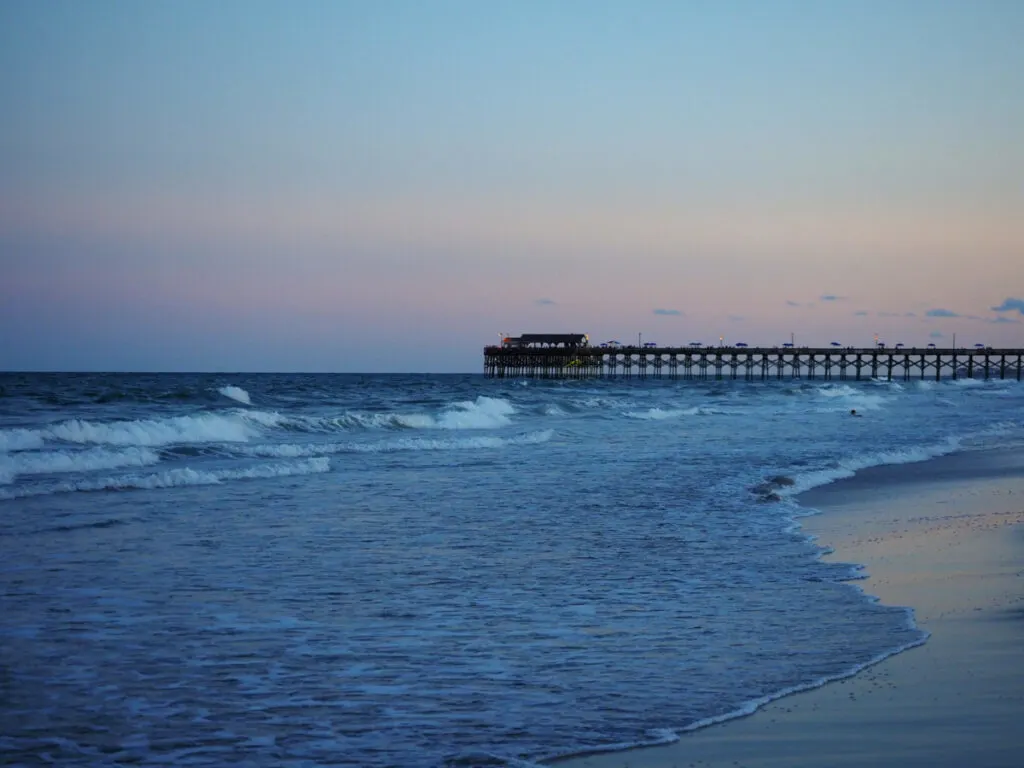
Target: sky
[{"x": 388, "y": 185}]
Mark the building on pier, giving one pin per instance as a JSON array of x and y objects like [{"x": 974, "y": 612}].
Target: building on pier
[{"x": 545, "y": 341}]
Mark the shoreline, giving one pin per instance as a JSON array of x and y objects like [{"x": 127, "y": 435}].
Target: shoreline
[{"x": 943, "y": 538}]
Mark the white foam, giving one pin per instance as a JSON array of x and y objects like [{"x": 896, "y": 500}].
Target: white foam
[
  {"x": 463, "y": 443},
  {"x": 654, "y": 414},
  {"x": 752, "y": 706},
  {"x": 350, "y": 420},
  {"x": 173, "y": 478},
  {"x": 482, "y": 413},
  {"x": 655, "y": 737},
  {"x": 73, "y": 461},
  {"x": 850, "y": 466},
  {"x": 200, "y": 428},
  {"x": 20, "y": 440},
  {"x": 660, "y": 414},
  {"x": 236, "y": 393},
  {"x": 269, "y": 419},
  {"x": 292, "y": 450},
  {"x": 967, "y": 383},
  {"x": 407, "y": 421},
  {"x": 843, "y": 397}
]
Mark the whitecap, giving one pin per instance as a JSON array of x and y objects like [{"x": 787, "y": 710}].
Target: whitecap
[
  {"x": 236, "y": 393},
  {"x": 173, "y": 478},
  {"x": 482, "y": 413}
]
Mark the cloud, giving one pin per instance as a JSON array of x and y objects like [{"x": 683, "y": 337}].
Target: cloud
[
  {"x": 941, "y": 313},
  {"x": 1001, "y": 320},
  {"x": 861, "y": 313},
  {"x": 936, "y": 335},
  {"x": 670, "y": 312},
  {"x": 888, "y": 314},
  {"x": 832, "y": 297},
  {"x": 792, "y": 303},
  {"x": 910, "y": 314},
  {"x": 737, "y": 318},
  {"x": 545, "y": 302},
  {"x": 1009, "y": 305}
]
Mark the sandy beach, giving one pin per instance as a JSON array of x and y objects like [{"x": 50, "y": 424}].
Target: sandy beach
[{"x": 943, "y": 537}]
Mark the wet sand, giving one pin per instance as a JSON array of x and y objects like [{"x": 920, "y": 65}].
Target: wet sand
[{"x": 943, "y": 537}]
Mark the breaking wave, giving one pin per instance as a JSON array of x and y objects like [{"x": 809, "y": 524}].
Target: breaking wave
[
  {"x": 850, "y": 466},
  {"x": 20, "y": 440},
  {"x": 659, "y": 414},
  {"x": 242, "y": 426},
  {"x": 236, "y": 393},
  {"x": 398, "y": 444},
  {"x": 200, "y": 428},
  {"x": 843, "y": 397},
  {"x": 482, "y": 413},
  {"x": 173, "y": 478},
  {"x": 91, "y": 460}
]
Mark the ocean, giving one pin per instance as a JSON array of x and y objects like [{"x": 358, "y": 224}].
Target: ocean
[{"x": 399, "y": 570}]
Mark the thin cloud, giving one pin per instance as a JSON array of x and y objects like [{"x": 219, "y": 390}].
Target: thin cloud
[
  {"x": 936, "y": 335},
  {"x": 1010, "y": 305},
  {"x": 910, "y": 314},
  {"x": 545, "y": 302},
  {"x": 790, "y": 303},
  {"x": 668, "y": 312},
  {"x": 1001, "y": 320},
  {"x": 737, "y": 318},
  {"x": 861, "y": 313},
  {"x": 832, "y": 297},
  {"x": 939, "y": 312},
  {"x": 888, "y": 314}
]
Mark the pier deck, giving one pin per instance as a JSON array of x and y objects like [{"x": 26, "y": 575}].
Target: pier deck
[{"x": 752, "y": 363}]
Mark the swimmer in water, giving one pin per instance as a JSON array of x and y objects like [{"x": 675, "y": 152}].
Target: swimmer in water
[{"x": 853, "y": 412}]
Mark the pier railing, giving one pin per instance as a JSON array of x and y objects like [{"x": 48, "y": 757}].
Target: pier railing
[{"x": 753, "y": 363}]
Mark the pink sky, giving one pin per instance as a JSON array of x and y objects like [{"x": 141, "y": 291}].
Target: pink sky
[{"x": 389, "y": 191}]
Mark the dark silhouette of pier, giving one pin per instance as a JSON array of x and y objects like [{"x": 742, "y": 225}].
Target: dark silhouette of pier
[{"x": 569, "y": 356}]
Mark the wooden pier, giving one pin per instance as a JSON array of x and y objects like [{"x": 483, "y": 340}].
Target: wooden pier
[{"x": 538, "y": 360}]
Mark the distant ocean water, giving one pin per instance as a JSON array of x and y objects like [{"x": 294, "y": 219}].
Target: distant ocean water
[{"x": 304, "y": 570}]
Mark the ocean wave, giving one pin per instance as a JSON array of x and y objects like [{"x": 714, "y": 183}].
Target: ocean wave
[
  {"x": 601, "y": 403},
  {"x": 848, "y": 467},
  {"x": 173, "y": 478},
  {"x": 843, "y": 397},
  {"x": 356, "y": 420},
  {"x": 20, "y": 440},
  {"x": 199, "y": 428},
  {"x": 661, "y": 414},
  {"x": 385, "y": 421},
  {"x": 90, "y": 460},
  {"x": 482, "y": 413},
  {"x": 399, "y": 444},
  {"x": 236, "y": 393}
]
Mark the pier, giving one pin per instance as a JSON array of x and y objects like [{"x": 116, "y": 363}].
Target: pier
[{"x": 570, "y": 356}]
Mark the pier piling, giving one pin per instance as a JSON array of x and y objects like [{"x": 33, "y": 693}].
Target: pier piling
[{"x": 578, "y": 360}]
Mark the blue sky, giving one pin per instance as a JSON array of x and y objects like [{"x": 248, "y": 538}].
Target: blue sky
[{"x": 384, "y": 186}]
